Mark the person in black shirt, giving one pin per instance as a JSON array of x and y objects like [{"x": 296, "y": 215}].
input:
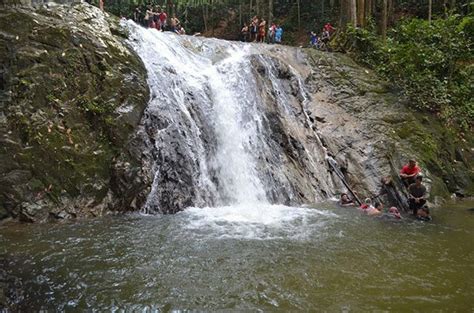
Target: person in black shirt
[{"x": 417, "y": 197}]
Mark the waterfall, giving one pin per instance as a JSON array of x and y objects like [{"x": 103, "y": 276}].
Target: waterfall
[{"x": 226, "y": 125}]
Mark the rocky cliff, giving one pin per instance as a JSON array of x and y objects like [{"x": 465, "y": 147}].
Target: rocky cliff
[
  {"x": 72, "y": 95},
  {"x": 77, "y": 140}
]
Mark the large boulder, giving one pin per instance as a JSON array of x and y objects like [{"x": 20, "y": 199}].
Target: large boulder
[{"x": 73, "y": 95}]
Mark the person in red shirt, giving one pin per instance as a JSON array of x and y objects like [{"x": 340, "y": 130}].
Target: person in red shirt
[
  {"x": 163, "y": 16},
  {"x": 329, "y": 28},
  {"x": 409, "y": 172}
]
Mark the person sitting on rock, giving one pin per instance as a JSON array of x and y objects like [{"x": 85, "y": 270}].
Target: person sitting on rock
[
  {"x": 423, "y": 214},
  {"x": 417, "y": 195},
  {"x": 346, "y": 201},
  {"x": 409, "y": 172}
]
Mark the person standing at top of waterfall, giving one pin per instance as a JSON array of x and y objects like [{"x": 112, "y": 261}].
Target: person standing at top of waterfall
[
  {"x": 163, "y": 18},
  {"x": 271, "y": 33},
  {"x": 262, "y": 30},
  {"x": 244, "y": 33},
  {"x": 149, "y": 16},
  {"x": 174, "y": 23},
  {"x": 409, "y": 172},
  {"x": 156, "y": 17},
  {"x": 137, "y": 15},
  {"x": 278, "y": 34},
  {"x": 417, "y": 195},
  {"x": 254, "y": 29}
]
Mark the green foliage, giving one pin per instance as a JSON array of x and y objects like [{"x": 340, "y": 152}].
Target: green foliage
[{"x": 431, "y": 62}]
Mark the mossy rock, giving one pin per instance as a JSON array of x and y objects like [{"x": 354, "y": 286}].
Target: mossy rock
[{"x": 63, "y": 120}]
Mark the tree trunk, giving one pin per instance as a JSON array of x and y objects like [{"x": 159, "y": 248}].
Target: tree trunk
[
  {"x": 384, "y": 20},
  {"x": 250, "y": 9},
  {"x": 204, "y": 16},
  {"x": 344, "y": 13},
  {"x": 270, "y": 12},
  {"x": 299, "y": 13},
  {"x": 430, "y": 5},
  {"x": 322, "y": 10},
  {"x": 391, "y": 11},
  {"x": 452, "y": 6},
  {"x": 353, "y": 7},
  {"x": 361, "y": 13},
  {"x": 240, "y": 14},
  {"x": 212, "y": 17},
  {"x": 368, "y": 10}
]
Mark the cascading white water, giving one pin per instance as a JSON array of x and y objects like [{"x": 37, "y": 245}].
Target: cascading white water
[
  {"x": 224, "y": 139},
  {"x": 218, "y": 79},
  {"x": 236, "y": 165}
]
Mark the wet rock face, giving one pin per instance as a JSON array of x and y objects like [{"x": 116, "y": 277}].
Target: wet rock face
[
  {"x": 73, "y": 94},
  {"x": 364, "y": 122}
]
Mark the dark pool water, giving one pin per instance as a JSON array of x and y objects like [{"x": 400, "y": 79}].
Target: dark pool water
[{"x": 247, "y": 259}]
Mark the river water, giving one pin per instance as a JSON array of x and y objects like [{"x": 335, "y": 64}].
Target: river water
[{"x": 279, "y": 259}]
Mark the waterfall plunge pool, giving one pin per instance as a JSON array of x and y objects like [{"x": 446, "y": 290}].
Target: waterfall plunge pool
[{"x": 271, "y": 258}]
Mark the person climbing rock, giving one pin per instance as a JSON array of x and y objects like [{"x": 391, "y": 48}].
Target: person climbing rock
[
  {"x": 346, "y": 201},
  {"x": 409, "y": 172},
  {"x": 417, "y": 197}
]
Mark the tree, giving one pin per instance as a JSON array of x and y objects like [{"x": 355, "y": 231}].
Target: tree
[
  {"x": 270, "y": 12},
  {"x": 353, "y": 12},
  {"x": 430, "y": 8},
  {"x": 361, "y": 13},
  {"x": 384, "y": 19}
]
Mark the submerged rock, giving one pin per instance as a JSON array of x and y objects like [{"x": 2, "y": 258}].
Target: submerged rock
[{"x": 73, "y": 95}]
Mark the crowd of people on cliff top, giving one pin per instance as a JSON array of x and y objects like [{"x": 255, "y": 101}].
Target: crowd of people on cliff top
[
  {"x": 412, "y": 180},
  {"x": 155, "y": 17},
  {"x": 256, "y": 31},
  {"x": 321, "y": 40}
]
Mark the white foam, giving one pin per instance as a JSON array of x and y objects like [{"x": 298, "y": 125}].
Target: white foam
[{"x": 258, "y": 222}]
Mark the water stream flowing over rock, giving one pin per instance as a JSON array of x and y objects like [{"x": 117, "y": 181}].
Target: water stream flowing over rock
[{"x": 226, "y": 125}]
